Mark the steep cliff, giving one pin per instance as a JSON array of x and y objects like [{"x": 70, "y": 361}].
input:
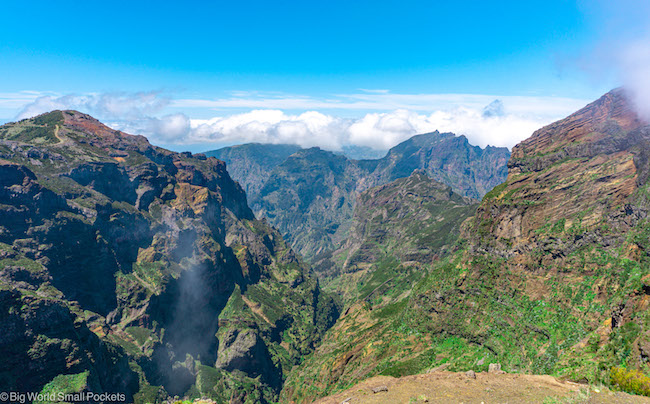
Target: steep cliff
[
  {"x": 135, "y": 266},
  {"x": 412, "y": 221}
]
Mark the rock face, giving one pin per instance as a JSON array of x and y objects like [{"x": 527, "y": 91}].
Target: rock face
[
  {"x": 310, "y": 196},
  {"x": 126, "y": 263},
  {"x": 247, "y": 352},
  {"x": 415, "y": 218},
  {"x": 469, "y": 170},
  {"x": 566, "y": 182},
  {"x": 550, "y": 276}
]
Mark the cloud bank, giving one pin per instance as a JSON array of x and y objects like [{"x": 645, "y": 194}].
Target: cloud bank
[
  {"x": 383, "y": 120},
  {"x": 377, "y": 130}
]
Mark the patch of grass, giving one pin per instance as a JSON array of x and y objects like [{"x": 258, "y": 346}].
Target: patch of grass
[
  {"x": 51, "y": 119},
  {"x": 495, "y": 192},
  {"x": 65, "y": 384},
  {"x": 581, "y": 396},
  {"x": 140, "y": 334},
  {"x": 150, "y": 272}
]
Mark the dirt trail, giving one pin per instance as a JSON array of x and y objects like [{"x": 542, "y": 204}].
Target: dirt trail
[
  {"x": 255, "y": 307},
  {"x": 56, "y": 134},
  {"x": 449, "y": 387}
]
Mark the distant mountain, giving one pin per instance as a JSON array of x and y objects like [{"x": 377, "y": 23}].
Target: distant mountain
[
  {"x": 469, "y": 170},
  {"x": 310, "y": 197},
  {"x": 129, "y": 268},
  {"x": 251, "y": 164}
]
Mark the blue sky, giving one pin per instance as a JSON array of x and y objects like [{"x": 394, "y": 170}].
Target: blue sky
[{"x": 203, "y": 61}]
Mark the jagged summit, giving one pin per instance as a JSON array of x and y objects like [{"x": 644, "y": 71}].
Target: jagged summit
[
  {"x": 309, "y": 194},
  {"x": 577, "y": 170}
]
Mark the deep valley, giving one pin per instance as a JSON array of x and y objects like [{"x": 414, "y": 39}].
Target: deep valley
[{"x": 272, "y": 273}]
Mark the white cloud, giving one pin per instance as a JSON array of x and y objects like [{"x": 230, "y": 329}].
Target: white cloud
[
  {"x": 167, "y": 129},
  {"x": 388, "y": 129},
  {"x": 375, "y": 130},
  {"x": 382, "y": 100},
  {"x": 130, "y": 112},
  {"x": 272, "y": 126},
  {"x": 383, "y": 119},
  {"x": 17, "y": 100}
]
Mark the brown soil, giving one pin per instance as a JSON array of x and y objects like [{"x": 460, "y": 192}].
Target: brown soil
[{"x": 448, "y": 387}]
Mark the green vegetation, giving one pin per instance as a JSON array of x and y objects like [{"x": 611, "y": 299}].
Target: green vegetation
[
  {"x": 65, "y": 384},
  {"x": 51, "y": 119},
  {"x": 310, "y": 197},
  {"x": 550, "y": 276}
]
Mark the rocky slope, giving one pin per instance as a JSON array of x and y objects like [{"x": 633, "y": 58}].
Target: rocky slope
[
  {"x": 310, "y": 197},
  {"x": 127, "y": 267},
  {"x": 412, "y": 221},
  {"x": 550, "y": 276},
  {"x": 469, "y": 170},
  {"x": 251, "y": 164}
]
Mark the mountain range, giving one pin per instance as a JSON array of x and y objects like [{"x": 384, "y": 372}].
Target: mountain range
[{"x": 310, "y": 194}]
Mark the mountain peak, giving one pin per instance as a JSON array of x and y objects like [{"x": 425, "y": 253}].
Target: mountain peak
[{"x": 609, "y": 116}]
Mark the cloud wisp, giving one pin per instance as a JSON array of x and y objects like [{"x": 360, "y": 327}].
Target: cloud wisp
[
  {"x": 634, "y": 62},
  {"x": 106, "y": 105}
]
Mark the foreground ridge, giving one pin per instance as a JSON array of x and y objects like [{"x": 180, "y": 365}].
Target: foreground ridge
[{"x": 131, "y": 268}]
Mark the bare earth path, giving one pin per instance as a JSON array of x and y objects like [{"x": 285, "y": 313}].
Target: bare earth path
[{"x": 449, "y": 387}]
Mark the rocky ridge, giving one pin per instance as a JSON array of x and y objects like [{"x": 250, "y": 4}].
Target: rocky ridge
[
  {"x": 251, "y": 164},
  {"x": 412, "y": 221}
]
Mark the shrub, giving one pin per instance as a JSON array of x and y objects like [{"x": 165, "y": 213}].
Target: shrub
[{"x": 632, "y": 381}]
